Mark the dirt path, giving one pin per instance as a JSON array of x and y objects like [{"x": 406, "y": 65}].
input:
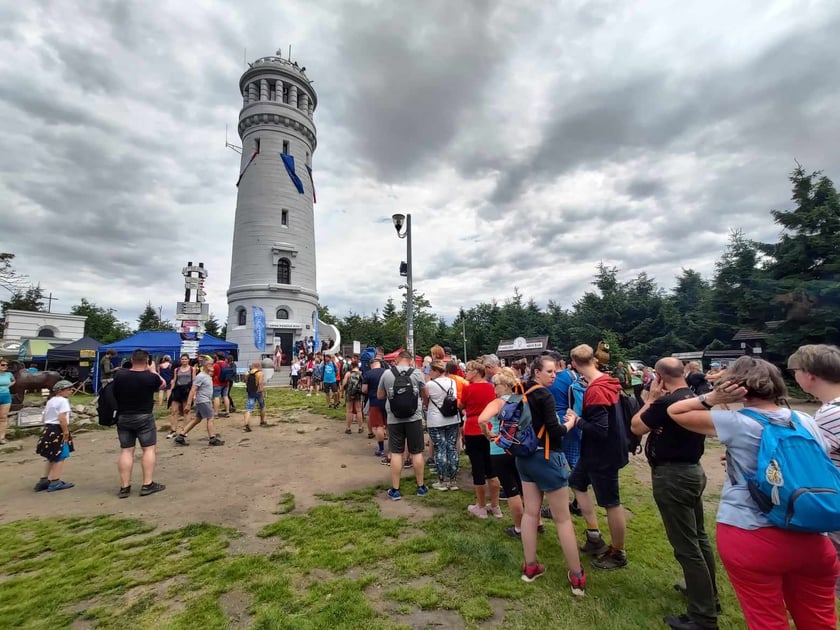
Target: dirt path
[{"x": 237, "y": 485}]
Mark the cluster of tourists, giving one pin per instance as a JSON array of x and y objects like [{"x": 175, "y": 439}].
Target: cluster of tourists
[{"x": 585, "y": 429}]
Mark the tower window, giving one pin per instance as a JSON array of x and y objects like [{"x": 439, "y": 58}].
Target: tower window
[
  {"x": 282, "y": 313},
  {"x": 257, "y": 145},
  {"x": 286, "y": 147},
  {"x": 284, "y": 271},
  {"x": 284, "y": 218},
  {"x": 240, "y": 316}
]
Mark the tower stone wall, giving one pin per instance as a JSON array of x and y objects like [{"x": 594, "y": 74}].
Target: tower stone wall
[{"x": 273, "y": 260}]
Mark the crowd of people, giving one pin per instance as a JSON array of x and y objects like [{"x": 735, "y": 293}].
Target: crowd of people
[{"x": 582, "y": 434}]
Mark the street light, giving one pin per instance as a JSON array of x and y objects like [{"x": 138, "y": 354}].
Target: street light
[{"x": 400, "y": 220}]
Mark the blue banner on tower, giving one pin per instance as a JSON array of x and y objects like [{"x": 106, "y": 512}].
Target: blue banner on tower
[
  {"x": 316, "y": 340},
  {"x": 259, "y": 328},
  {"x": 289, "y": 161}
]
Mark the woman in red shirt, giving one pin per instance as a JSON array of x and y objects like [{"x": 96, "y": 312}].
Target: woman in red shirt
[{"x": 474, "y": 398}]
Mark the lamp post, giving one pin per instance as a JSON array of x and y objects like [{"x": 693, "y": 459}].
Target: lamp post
[{"x": 401, "y": 220}]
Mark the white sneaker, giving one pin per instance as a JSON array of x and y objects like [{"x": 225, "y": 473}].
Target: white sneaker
[
  {"x": 452, "y": 485},
  {"x": 439, "y": 485},
  {"x": 495, "y": 511},
  {"x": 475, "y": 510}
]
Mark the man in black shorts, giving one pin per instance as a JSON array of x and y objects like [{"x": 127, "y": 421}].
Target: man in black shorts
[
  {"x": 405, "y": 429},
  {"x": 134, "y": 391}
]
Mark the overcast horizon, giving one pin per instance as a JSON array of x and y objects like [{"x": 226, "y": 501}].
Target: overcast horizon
[{"x": 529, "y": 143}]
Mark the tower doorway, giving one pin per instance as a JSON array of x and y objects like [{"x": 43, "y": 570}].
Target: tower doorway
[{"x": 284, "y": 340}]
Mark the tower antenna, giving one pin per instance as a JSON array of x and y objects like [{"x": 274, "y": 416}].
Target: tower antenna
[
  {"x": 290, "y": 52},
  {"x": 230, "y": 146}
]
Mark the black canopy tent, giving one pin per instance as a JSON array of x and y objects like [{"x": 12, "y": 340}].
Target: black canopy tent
[{"x": 78, "y": 358}]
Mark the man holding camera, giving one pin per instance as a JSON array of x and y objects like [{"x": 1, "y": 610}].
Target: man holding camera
[{"x": 678, "y": 483}]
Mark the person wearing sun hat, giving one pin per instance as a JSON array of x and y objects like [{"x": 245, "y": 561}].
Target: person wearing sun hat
[{"x": 55, "y": 443}]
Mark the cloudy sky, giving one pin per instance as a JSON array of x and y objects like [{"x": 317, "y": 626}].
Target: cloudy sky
[{"x": 529, "y": 140}]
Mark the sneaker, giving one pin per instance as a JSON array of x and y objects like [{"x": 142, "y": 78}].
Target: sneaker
[
  {"x": 58, "y": 484},
  {"x": 361, "y": 430},
  {"x": 578, "y": 583},
  {"x": 43, "y": 484},
  {"x": 422, "y": 491},
  {"x": 348, "y": 431},
  {"x": 594, "y": 547},
  {"x": 151, "y": 488},
  {"x": 247, "y": 428},
  {"x": 386, "y": 461},
  {"x": 495, "y": 511},
  {"x": 180, "y": 440},
  {"x": 439, "y": 485},
  {"x": 452, "y": 485},
  {"x": 370, "y": 436},
  {"x": 613, "y": 559},
  {"x": 475, "y": 510},
  {"x": 394, "y": 494},
  {"x": 511, "y": 531},
  {"x": 171, "y": 435},
  {"x": 408, "y": 464},
  {"x": 531, "y": 572},
  {"x": 379, "y": 453},
  {"x": 216, "y": 441},
  {"x": 124, "y": 492}
]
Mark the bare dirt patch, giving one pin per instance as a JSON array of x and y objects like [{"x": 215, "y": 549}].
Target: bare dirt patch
[
  {"x": 237, "y": 485},
  {"x": 236, "y": 604}
]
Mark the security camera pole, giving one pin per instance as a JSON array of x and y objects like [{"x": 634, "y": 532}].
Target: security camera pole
[{"x": 400, "y": 220}]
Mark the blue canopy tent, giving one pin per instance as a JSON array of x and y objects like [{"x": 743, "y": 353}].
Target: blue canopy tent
[{"x": 159, "y": 343}]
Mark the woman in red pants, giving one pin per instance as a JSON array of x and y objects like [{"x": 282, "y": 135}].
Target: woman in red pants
[{"x": 774, "y": 571}]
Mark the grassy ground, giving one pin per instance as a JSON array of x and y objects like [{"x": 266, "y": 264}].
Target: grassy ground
[{"x": 342, "y": 564}]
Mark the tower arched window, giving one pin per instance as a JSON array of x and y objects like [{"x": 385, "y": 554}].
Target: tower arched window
[
  {"x": 284, "y": 271},
  {"x": 240, "y": 316},
  {"x": 46, "y": 332},
  {"x": 282, "y": 313}
]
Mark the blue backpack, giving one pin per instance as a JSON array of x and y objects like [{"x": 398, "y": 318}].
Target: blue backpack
[
  {"x": 516, "y": 431},
  {"x": 576, "y": 391},
  {"x": 796, "y": 485}
]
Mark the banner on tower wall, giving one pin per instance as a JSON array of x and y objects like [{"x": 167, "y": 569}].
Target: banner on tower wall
[
  {"x": 289, "y": 162},
  {"x": 316, "y": 340},
  {"x": 259, "y": 328}
]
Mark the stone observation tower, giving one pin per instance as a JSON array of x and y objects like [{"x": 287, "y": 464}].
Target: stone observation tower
[{"x": 273, "y": 261}]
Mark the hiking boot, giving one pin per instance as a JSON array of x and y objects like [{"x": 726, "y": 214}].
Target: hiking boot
[
  {"x": 475, "y": 510},
  {"x": 348, "y": 431},
  {"x": 394, "y": 494},
  {"x": 684, "y": 622},
  {"x": 43, "y": 484},
  {"x": 124, "y": 492},
  {"x": 422, "y": 491},
  {"x": 151, "y": 488},
  {"x": 531, "y": 572},
  {"x": 370, "y": 436},
  {"x": 439, "y": 485},
  {"x": 613, "y": 559},
  {"x": 216, "y": 441},
  {"x": 578, "y": 583},
  {"x": 511, "y": 531},
  {"x": 247, "y": 428},
  {"x": 495, "y": 511},
  {"x": 180, "y": 440},
  {"x": 595, "y": 547}
]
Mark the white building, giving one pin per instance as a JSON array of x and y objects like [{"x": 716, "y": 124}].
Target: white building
[
  {"x": 273, "y": 260},
  {"x": 53, "y": 327}
]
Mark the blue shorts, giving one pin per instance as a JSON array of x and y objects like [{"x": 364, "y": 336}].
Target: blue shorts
[
  {"x": 220, "y": 391},
  {"x": 549, "y": 474},
  {"x": 5, "y": 399},
  {"x": 258, "y": 399}
]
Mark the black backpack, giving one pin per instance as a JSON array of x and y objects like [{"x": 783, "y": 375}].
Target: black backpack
[
  {"x": 404, "y": 398},
  {"x": 628, "y": 407},
  {"x": 251, "y": 383},
  {"x": 449, "y": 407},
  {"x": 106, "y": 406}
]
